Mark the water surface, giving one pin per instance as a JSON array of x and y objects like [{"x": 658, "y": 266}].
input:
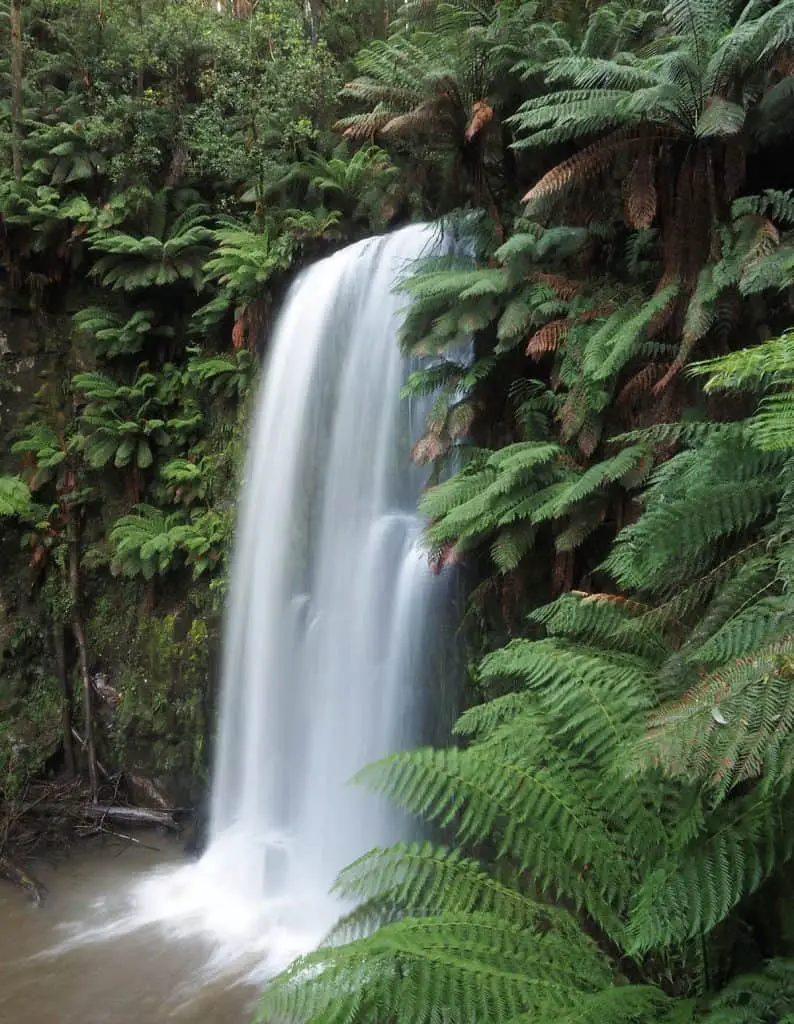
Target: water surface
[{"x": 80, "y": 959}]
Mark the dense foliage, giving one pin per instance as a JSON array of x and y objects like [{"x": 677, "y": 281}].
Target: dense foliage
[
  {"x": 165, "y": 168},
  {"x": 613, "y": 828},
  {"x": 610, "y": 831}
]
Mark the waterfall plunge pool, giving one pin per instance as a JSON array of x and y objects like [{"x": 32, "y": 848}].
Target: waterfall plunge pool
[{"x": 80, "y": 958}]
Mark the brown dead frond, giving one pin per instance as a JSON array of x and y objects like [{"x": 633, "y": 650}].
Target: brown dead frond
[
  {"x": 624, "y": 602},
  {"x": 460, "y": 420},
  {"x": 249, "y": 325},
  {"x": 572, "y": 414},
  {"x": 588, "y": 437},
  {"x": 561, "y": 285},
  {"x": 672, "y": 371},
  {"x": 481, "y": 114},
  {"x": 548, "y": 338},
  {"x": 428, "y": 448},
  {"x": 448, "y": 554},
  {"x": 589, "y": 162},
  {"x": 238, "y": 332},
  {"x": 424, "y": 118},
  {"x": 363, "y": 126},
  {"x": 767, "y": 239},
  {"x": 640, "y": 192},
  {"x": 638, "y": 385}
]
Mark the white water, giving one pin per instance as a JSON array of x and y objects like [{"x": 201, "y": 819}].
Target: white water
[{"x": 328, "y": 632}]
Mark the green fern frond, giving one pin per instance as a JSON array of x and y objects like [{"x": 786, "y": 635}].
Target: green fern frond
[
  {"x": 756, "y": 367},
  {"x": 766, "y": 996},
  {"x": 15, "y": 497},
  {"x": 476, "y": 966},
  {"x": 421, "y": 878},
  {"x": 701, "y": 883}
]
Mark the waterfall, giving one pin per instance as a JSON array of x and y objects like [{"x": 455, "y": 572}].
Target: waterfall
[
  {"x": 329, "y": 591},
  {"x": 330, "y": 631}
]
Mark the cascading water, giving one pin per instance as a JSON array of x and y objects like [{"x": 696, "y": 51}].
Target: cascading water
[{"x": 327, "y": 645}]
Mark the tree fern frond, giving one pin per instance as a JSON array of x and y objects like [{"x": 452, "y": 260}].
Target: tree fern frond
[
  {"x": 699, "y": 885},
  {"x": 425, "y": 879},
  {"x": 734, "y": 722},
  {"x": 475, "y": 966},
  {"x": 767, "y": 995},
  {"x": 755, "y": 367}
]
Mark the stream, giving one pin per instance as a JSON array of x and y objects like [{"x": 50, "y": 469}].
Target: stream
[{"x": 77, "y": 959}]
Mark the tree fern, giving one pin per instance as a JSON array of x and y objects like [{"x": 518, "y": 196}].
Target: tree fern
[
  {"x": 143, "y": 543},
  {"x": 636, "y": 775},
  {"x": 15, "y": 498},
  {"x": 765, "y": 997},
  {"x": 119, "y": 423},
  {"x": 700, "y": 881},
  {"x": 112, "y": 335},
  {"x": 149, "y": 541},
  {"x": 175, "y": 250},
  {"x": 222, "y": 376},
  {"x": 69, "y": 155},
  {"x": 425, "y": 879},
  {"x": 419, "y": 967}
]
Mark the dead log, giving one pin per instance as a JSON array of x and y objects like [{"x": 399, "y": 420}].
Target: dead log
[
  {"x": 17, "y": 875},
  {"x": 131, "y": 815}
]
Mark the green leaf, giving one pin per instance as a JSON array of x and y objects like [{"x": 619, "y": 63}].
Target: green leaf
[
  {"x": 720, "y": 118},
  {"x": 124, "y": 452},
  {"x": 145, "y": 455}
]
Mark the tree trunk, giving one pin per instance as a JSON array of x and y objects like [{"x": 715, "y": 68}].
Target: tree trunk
[
  {"x": 16, "y": 87},
  {"x": 66, "y": 698},
  {"x": 82, "y": 656}
]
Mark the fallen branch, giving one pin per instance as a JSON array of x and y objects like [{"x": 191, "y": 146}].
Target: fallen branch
[
  {"x": 131, "y": 815},
  {"x": 91, "y": 831}
]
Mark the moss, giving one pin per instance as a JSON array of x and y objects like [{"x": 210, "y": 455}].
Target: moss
[
  {"x": 30, "y": 717},
  {"x": 160, "y": 662}
]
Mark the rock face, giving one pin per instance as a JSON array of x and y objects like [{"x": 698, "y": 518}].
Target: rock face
[
  {"x": 24, "y": 355},
  {"x": 149, "y": 655},
  {"x": 29, "y": 717}
]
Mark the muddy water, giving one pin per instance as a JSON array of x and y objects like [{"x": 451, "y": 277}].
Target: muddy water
[{"x": 75, "y": 961}]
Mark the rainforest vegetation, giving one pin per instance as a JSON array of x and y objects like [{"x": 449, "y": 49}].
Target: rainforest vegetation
[{"x": 612, "y": 825}]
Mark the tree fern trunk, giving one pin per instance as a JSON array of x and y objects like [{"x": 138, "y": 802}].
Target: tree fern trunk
[{"x": 16, "y": 87}]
